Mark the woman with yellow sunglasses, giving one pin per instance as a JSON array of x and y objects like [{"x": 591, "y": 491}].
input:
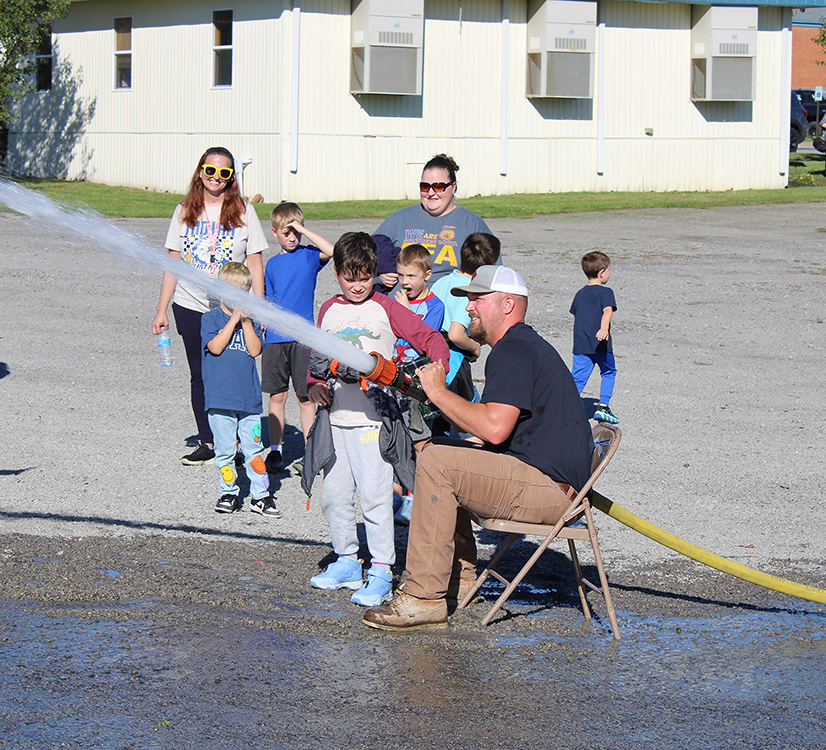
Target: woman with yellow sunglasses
[{"x": 213, "y": 225}]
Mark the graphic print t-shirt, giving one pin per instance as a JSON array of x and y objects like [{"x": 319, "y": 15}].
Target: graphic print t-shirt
[
  {"x": 207, "y": 246},
  {"x": 441, "y": 235}
]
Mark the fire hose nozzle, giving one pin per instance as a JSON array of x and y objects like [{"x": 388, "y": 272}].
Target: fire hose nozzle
[{"x": 387, "y": 373}]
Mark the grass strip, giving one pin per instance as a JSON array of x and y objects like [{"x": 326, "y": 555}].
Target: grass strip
[{"x": 806, "y": 185}]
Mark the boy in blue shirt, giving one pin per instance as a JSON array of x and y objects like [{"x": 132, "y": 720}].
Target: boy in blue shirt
[
  {"x": 592, "y": 308},
  {"x": 290, "y": 281},
  {"x": 414, "y": 268},
  {"x": 231, "y": 341}
]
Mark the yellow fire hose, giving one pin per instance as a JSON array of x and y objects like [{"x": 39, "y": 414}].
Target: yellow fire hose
[{"x": 618, "y": 513}]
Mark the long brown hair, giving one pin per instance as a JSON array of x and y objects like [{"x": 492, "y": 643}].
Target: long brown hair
[{"x": 233, "y": 208}]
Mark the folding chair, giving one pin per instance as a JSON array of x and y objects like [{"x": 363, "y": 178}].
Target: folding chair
[{"x": 606, "y": 440}]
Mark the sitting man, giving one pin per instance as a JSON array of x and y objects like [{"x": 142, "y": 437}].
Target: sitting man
[{"x": 536, "y": 454}]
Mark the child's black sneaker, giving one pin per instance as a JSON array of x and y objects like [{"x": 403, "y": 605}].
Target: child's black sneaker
[
  {"x": 203, "y": 454},
  {"x": 273, "y": 462},
  {"x": 228, "y": 504},
  {"x": 265, "y": 506}
]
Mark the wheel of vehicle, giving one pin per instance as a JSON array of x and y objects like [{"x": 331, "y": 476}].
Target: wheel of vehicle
[
  {"x": 811, "y": 130},
  {"x": 820, "y": 145},
  {"x": 794, "y": 139}
]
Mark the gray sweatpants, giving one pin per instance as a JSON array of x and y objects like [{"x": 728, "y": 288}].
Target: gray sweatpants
[{"x": 358, "y": 465}]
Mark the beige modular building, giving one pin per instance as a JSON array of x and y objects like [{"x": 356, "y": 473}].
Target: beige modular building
[{"x": 340, "y": 99}]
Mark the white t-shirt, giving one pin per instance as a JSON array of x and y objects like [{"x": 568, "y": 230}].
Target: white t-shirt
[
  {"x": 367, "y": 327},
  {"x": 373, "y": 326},
  {"x": 207, "y": 246}
]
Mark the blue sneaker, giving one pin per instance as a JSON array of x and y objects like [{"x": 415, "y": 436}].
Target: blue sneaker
[
  {"x": 344, "y": 573},
  {"x": 402, "y": 515},
  {"x": 377, "y": 590},
  {"x": 604, "y": 414}
]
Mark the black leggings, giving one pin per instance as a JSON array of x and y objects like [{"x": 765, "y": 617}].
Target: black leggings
[{"x": 188, "y": 323}]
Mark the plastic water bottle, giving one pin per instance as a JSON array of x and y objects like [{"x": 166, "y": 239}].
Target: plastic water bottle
[{"x": 165, "y": 346}]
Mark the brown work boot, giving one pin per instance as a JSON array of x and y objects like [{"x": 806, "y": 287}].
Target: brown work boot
[{"x": 406, "y": 612}]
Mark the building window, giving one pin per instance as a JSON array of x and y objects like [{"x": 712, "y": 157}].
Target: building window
[
  {"x": 43, "y": 59},
  {"x": 123, "y": 53},
  {"x": 222, "y": 47}
]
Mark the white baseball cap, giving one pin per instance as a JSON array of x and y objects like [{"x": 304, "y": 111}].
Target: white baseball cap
[{"x": 493, "y": 279}]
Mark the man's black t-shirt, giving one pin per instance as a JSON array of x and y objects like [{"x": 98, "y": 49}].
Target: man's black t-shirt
[{"x": 552, "y": 432}]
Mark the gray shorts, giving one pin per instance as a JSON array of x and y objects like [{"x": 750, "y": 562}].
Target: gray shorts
[{"x": 280, "y": 362}]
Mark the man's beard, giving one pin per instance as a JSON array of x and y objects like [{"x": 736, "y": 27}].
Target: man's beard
[{"x": 476, "y": 330}]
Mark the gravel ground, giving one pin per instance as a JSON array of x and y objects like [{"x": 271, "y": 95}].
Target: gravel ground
[
  {"x": 134, "y": 616},
  {"x": 719, "y": 343}
]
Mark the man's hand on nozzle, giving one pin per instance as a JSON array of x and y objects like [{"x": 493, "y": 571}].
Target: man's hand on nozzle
[{"x": 432, "y": 377}]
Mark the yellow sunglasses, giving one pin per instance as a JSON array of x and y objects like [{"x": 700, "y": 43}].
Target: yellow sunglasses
[{"x": 224, "y": 173}]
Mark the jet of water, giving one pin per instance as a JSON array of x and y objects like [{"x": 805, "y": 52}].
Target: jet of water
[{"x": 92, "y": 227}]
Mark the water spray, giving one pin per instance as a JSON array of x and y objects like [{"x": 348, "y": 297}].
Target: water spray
[{"x": 92, "y": 227}]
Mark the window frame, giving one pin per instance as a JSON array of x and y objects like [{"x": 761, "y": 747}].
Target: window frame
[
  {"x": 122, "y": 54},
  {"x": 219, "y": 50},
  {"x": 41, "y": 59}
]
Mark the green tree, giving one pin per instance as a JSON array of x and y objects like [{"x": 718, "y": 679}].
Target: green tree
[
  {"x": 820, "y": 40},
  {"x": 23, "y": 24}
]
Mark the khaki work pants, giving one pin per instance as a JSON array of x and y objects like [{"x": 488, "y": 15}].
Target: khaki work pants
[{"x": 452, "y": 479}]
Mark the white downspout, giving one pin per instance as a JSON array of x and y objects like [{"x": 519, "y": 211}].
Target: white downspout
[
  {"x": 785, "y": 90},
  {"x": 503, "y": 128},
  {"x": 295, "y": 86},
  {"x": 601, "y": 90}
]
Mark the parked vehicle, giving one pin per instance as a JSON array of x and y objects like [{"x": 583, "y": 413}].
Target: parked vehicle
[
  {"x": 807, "y": 98},
  {"x": 799, "y": 123}
]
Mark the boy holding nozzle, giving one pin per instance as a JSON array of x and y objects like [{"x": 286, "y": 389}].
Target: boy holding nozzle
[{"x": 358, "y": 436}]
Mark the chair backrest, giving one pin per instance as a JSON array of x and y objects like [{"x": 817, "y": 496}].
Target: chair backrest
[{"x": 606, "y": 440}]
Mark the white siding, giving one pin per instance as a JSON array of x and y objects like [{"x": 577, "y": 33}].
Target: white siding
[{"x": 352, "y": 147}]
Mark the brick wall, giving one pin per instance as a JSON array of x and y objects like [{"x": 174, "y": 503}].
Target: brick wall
[{"x": 806, "y": 74}]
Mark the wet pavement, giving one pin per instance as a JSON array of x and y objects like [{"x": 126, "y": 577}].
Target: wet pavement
[{"x": 181, "y": 643}]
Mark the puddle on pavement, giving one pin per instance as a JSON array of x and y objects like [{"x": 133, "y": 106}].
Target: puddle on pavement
[{"x": 168, "y": 678}]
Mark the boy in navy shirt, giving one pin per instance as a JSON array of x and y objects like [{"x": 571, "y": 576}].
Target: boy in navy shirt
[
  {"x": 592, "y": 308},
  {"x": 231, "y": 341}
]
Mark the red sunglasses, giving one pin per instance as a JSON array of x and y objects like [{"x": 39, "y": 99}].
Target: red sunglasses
[{"x": 438, "y": 187}]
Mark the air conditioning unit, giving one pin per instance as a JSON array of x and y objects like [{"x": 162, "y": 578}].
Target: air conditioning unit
[
  {"x": 723, "y": 52},
  {"x": 561, "y": 46},
  {"x": 386, "y": 47}
]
